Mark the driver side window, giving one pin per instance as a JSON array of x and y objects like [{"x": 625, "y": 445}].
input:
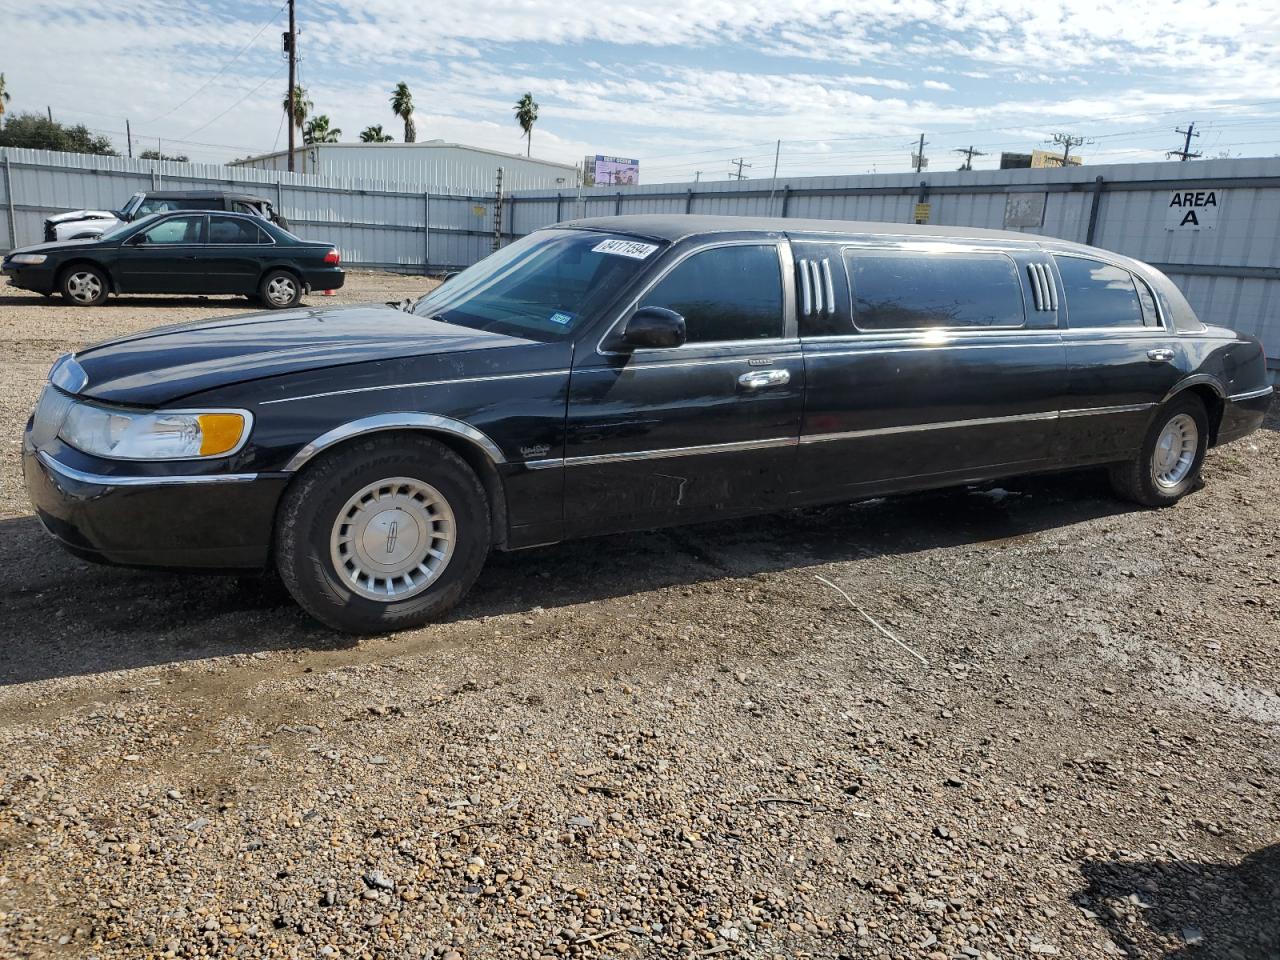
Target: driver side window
[
  {"x": 725, "y": 293},
  {"x": 175, "y": 230}
]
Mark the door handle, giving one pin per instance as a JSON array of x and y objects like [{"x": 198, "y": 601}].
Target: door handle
[
  {"x": 1160, "y": 355},
  {"x": 759, "y": 379}
]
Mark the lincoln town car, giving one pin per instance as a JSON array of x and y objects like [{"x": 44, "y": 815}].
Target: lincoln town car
[{"x": 626, "y": 373}]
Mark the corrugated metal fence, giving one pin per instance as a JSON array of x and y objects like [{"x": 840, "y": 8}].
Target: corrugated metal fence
[
  {"x": 1229, "y": 268},
  {"x": 374, "y": 223}
]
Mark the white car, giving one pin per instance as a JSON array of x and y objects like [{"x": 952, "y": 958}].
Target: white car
[{"x": 91, "y": 224}]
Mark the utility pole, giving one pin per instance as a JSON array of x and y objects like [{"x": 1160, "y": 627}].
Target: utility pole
[
  {"x": 1185, "y": 153},
  {"x": 739, "y": 175},
  {"x": 697, "y": 175},
  {"x": 919, "y": 158},
  {"x": 969, "y": 154},
  {"x": 291, "y": 51},
  {"x": 128, "y": 135},
  {"x": 1066, "y": 141},
  {"x": 49, "y": 112}
]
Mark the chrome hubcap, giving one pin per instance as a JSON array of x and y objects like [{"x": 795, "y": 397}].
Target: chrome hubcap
[
  {"x": 84, "y": 287},
  {"x": 1175, "y": 451},
  {"x": 281, "y": 290},
  {"x": 393, "y": 539}
]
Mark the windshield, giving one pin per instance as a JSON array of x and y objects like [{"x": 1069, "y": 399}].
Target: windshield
[
  {"x": 120, "y": 229},
  {"x": 542, "y": 287}
]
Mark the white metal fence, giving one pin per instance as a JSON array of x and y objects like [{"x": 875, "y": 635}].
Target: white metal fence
[{"x": 1228, "y": 263}]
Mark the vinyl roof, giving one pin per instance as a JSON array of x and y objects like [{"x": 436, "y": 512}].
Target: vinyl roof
[{"x": 672, "y": 226}]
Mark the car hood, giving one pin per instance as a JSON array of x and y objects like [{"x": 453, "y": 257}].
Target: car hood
[
  {"x": 81, "y": 215},
  {"x": 159, "y": 366},
  {"x": 54, "y": 246}
]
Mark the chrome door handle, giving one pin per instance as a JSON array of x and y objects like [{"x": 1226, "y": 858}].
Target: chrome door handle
[
  {"x": 759, "y": 379},
  {"x": 1160, "y": 354}
]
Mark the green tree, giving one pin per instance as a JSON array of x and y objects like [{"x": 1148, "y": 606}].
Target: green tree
[
  {"x": 317, "y": 130},
  {"x": 373, "y": 134},
  {"x": 157, "y": 155},
  {"x": 297, "y": 107},
  {"x": 527, "y": 116},
  {"x": 4, "y": 95},
  {"x": 37, "y": 132},
  {"x": 402, "y": 107}
]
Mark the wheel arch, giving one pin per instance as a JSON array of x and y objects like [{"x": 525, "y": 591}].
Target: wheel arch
[
  {"x": 1211, "y": 394},
  {"x": 479, "y": 452}
]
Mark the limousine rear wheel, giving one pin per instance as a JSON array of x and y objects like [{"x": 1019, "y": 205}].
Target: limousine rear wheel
[
  {"x": 1172, "y": 454},
  {"x": 382, "y": 534}
]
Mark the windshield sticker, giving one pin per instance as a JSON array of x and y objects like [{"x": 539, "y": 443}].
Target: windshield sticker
[
  {"x": 625, "y": 248},
  {"x": 561, "y": 318}
]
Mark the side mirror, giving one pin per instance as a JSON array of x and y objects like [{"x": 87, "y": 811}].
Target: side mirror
[
  {"x": 653, "y": 328},
  {"x": 137, "y": 240}
]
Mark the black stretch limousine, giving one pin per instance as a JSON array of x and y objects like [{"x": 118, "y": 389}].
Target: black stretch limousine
[{"x": 625, "y": 373}]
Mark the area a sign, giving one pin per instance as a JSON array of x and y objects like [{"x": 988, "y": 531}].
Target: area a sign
[{"x": 1193, "y": 209}]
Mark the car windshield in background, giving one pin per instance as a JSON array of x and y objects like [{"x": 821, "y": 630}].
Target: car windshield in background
[
  {"x": 542, "y": 286},
  {"x": 120, "y": 229}
]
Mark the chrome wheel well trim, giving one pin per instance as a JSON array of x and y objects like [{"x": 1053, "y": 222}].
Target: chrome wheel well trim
[
  {"x": 383, "y": 422},
  {"x": 1196, "y": 380}
]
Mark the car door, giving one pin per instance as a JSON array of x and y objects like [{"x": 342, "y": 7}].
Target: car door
[
  {"x": 1122, "y": 358},
  {"x": 233, "y": 253},
  {"x": 925, "y": 364},
  {"x": 709, "y": 428},
  {"x": 164, "y": 257}
]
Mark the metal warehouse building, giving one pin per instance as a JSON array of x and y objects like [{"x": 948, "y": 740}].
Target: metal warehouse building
[{"x": 435, "y": 165}]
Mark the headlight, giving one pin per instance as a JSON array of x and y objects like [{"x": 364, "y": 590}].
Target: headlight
[
  {"x": 28, "y": 259},
  {"x": 162, "y": 435}
]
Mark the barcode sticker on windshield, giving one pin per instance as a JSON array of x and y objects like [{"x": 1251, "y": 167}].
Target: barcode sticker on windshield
[{"x": 625, "y": 248}]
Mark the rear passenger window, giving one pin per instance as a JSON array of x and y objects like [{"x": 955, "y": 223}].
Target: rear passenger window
[
  {"x": 233, "y": 230},
  {"x": 903, "y": 291},
  {"x": 1150, "y": 315},
  {"x": 726, "y": 293},
  {"x": 1099, "y": 295}
]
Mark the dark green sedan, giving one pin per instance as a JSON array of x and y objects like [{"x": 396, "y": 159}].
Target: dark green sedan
[{"x": 180, "y": 252}]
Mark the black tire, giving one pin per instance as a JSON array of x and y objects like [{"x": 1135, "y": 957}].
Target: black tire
[
  {"x": 280, "y": 290},
  {"x": 306, "y": 532},
  {"x": 1137, "y": 479},
  {"x": 84, "y": 285}
]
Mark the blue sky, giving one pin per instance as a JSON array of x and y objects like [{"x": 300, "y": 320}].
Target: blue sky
[{"x": 685, "y": 87}]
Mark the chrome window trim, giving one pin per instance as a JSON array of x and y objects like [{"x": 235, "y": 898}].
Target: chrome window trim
[
  {"x": 394, "y": 421},
  {"x": 1162, "y": 327},
  {"x": 928, "y": 338},
  {"x": 788, "y": 309},
  {"x": 420, "y": 383},
  {"x": 816, "y": 354},
  {"x": 829, "y": 287},
  {"x": 943, "y": 249},
  {"x": 1252, "y": 394},
  {"x": 81, "y": 476},
  {"x": 701, "y": 362}
]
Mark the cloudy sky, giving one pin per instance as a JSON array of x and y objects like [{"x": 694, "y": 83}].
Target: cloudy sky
[{"x": 847, "y": 85}]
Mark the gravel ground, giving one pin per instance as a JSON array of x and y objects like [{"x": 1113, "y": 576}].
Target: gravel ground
[{"x": 667, "y": 744}]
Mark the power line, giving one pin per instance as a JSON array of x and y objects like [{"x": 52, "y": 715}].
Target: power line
[
  {"x": 1067, "y": 141},
  {"x": 223, "y": 68},
  {"x": 232, "y": 107},
  {"x": 738, "y": 174},
  {"x": 969, "y": 154}
]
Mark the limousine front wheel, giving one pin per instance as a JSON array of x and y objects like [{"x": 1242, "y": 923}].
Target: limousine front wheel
[
  {"x": 1172, "y": 454},
  {"x": 382, "y": 534}
]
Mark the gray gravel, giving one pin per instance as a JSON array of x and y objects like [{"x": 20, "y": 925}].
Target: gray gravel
[{"x": 673, "y": 744}]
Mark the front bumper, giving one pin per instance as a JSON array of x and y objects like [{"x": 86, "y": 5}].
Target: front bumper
[
  {"x": 39, "y": 279},
  {"x": 1243, "y": 413},
  {"x": 210, "y": 522}
]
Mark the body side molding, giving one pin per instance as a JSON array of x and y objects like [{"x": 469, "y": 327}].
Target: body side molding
[{"x": 395, "y": 421}]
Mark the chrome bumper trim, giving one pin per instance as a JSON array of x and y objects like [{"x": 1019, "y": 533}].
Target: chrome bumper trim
[
  {"x": 80, "y": 476},
  {"x": 1252, "y": 394}
]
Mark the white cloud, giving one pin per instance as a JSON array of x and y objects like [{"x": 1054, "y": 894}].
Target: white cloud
[{"x": 937, "y": 85}]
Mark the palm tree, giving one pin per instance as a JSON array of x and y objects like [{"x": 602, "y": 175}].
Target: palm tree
[
  {"x": 4, "y": 95},
  {"x": 402, "y": 107},
  {"x": 298, "y": 106},
  {"x": 317, "y": 130},
  {"x": 373, "y": 134},
  {"x": 527, "y": 116}
]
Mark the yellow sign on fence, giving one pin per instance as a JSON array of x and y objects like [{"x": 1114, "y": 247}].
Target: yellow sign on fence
[{"x": 922, "y": 213}]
